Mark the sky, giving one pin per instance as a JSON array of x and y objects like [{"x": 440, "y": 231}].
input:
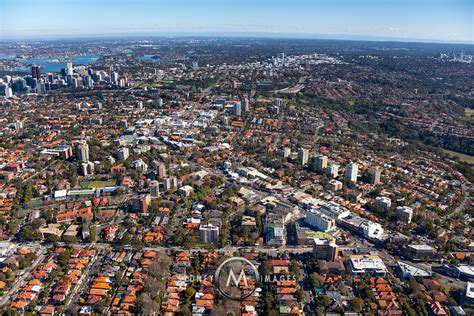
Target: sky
[{"x": 427, "y": 20}]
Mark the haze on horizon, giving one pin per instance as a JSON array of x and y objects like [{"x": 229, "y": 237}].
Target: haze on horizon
[{"x": 424, "y": 20}]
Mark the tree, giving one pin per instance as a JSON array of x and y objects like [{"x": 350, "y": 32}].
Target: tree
[
  {"x": 63, "y": 257},
  {"x": 357, "y": 303}
]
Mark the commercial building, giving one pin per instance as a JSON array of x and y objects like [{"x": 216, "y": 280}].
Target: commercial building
[
  {"x": 325, "y": 249},
  {"x": 334, "y": 210},
  {"x": 319, "y": 220},
  {"x": 275, "y": 234},
  {"x": 366, "y": 264},
  {"x": 406, "y": 271},
  {"x": 421, "y": 253},
  {"x": 364, "y": 227}
]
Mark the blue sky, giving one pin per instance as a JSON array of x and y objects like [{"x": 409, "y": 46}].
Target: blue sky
[{"x": 436, "y": 20}]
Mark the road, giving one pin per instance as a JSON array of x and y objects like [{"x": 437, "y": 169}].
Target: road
[{"x": 6, "y": 298}]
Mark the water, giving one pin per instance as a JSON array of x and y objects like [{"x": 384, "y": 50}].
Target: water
[
  {"x": 7, "y": 56},
  {"x": 152, "y": 58},
  {"x": 47, "y": 65}
]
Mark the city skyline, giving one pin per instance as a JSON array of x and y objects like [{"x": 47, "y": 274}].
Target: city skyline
[{"x": 434, "y": 21}]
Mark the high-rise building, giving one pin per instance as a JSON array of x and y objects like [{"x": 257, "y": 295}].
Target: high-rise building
[
  {"x": 209, "y": 233},
  {"x": 8, "y": 92},
  {"x": 285, "y": 152},
  {"x": 245, "y": 105},
  {"x": 114, "y": 77},
  {"x": 320, "y": 163},
  {"x": 35, "y": 71},
  {"x": 375, "y": 174},
  {"x": 69, "y": 69},
  {"x": 160, "y": 102},
  {"x": 154, "y": 189},
  {"x": 404, "y": 213},
  {"x": 332, "y": 170},
  {"x": 161, "y": 170},
  {"x": 87, "y": 168},
  {"x": 351, "y": 171},
  {"x": 141, "y": 203},
  {"x": 83, "y": 151},
  {"x": 325, "y": 249},
  {"x": 123, "y": 153},
  {"x": 383, "y": 203},
  {"x": 170, "y": 183},
  {"x": 303, "y": 156},
  {"x": 278, "y": 102},
  {"x": 237, "y": 109}
]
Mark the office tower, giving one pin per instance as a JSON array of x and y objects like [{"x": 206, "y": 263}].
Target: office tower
[
  {"x": 303, "y": 156},
  {"x": 351, "y": 172},
  {"x": 75, "y": 82},
  {"x": 160, "y": 102},
  {"x": 69, "y": 69},
  {"x": 278, "y": 102},
  {"x": 8, "y": 92},
  {"x": 332, "y": 170},
  {"x": 375, "y": 174},
  {"x": 139, "y": 105},
  {"x": 88, "y": 82},
  {"x": 114, "y": 77},
  {"x": 35, "y": 71},
  {"x": 320, "y": 163},
  {"x": 83, "y": 152},
  {"x": 209, "y": 233},
  {"x": 123, "y": 153},
  {"x": 154, "y": 189},
  {"x": 245, "y": 105},
  {"x": 382, "y": 203},
  {"x": 237, "y": 109},
  {"x": 325, "y": 249},
  {"x": 161, "y": 170}
]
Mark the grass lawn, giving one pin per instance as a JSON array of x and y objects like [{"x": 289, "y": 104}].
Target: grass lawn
[
  {"x": 183, "y": 86},
  {"x": 462, "y": 157},
  {"x": 97, "y": 184},
  {"x": 468, "y": 112}
]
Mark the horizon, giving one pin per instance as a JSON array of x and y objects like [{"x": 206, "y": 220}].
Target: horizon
[
  {"x": 236, "y": 35},
  {"x": 386, "y": 20}
]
